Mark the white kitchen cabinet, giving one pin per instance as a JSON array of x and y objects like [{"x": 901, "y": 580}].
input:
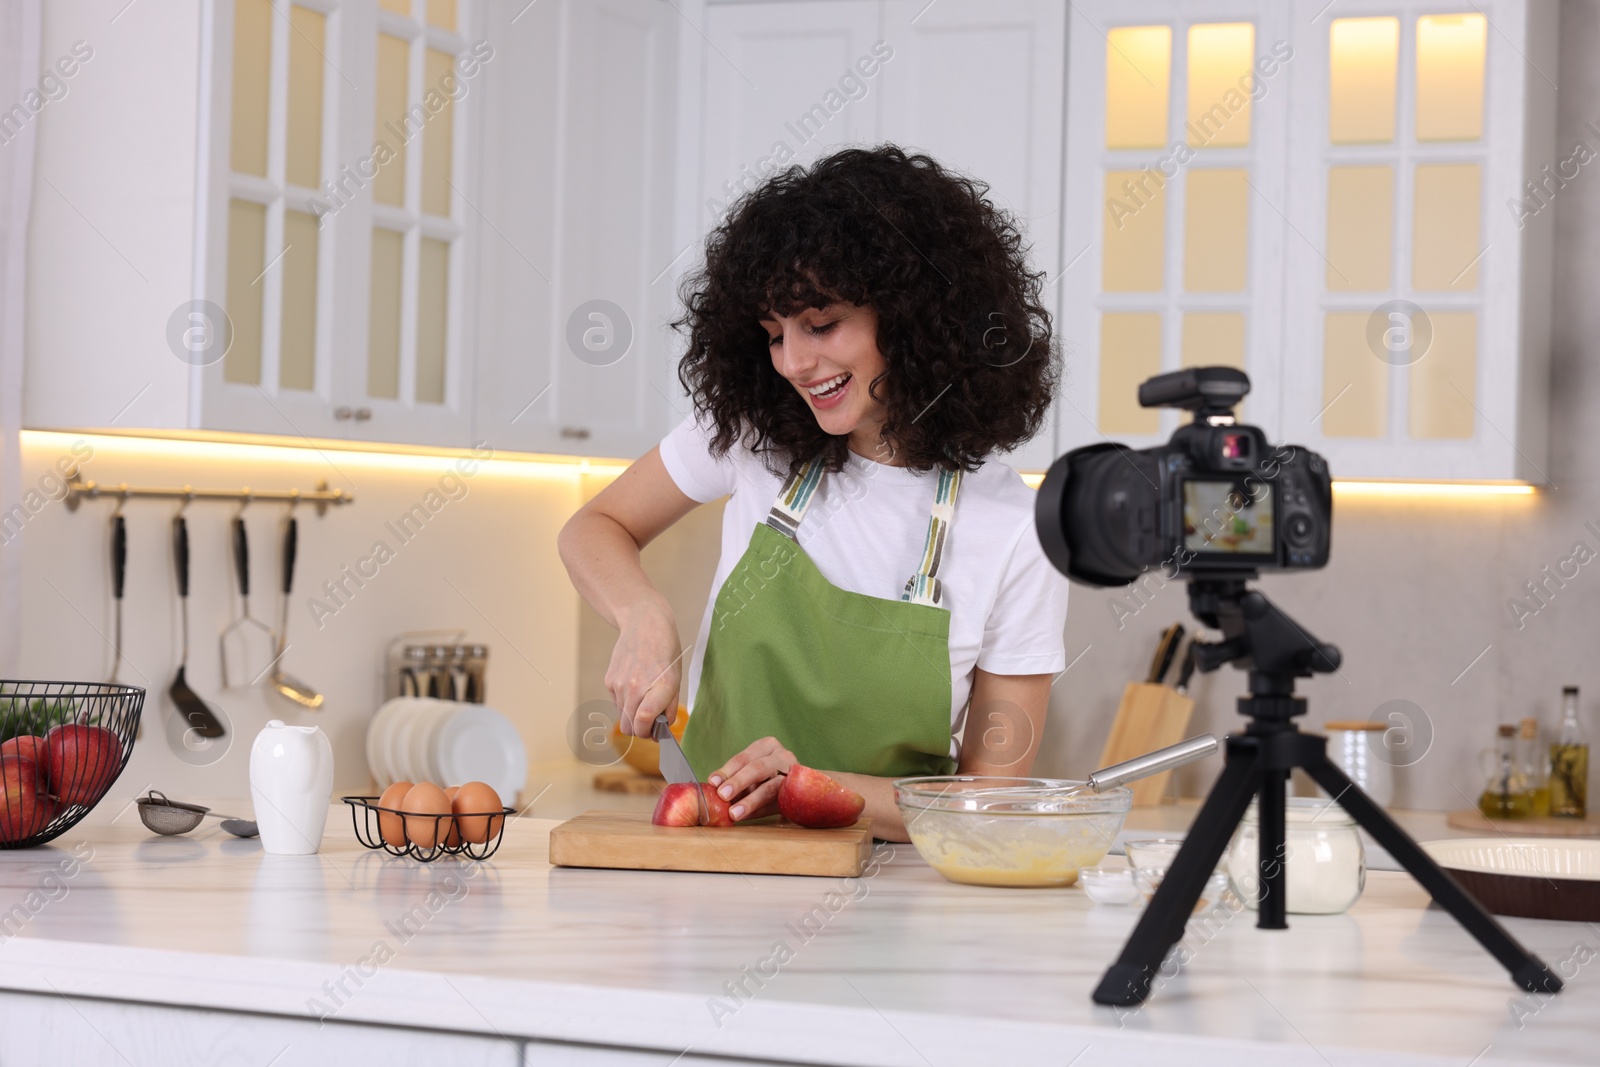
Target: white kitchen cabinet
[
  {"x": 977, "y": 85},
  {"x": 1174, "y": 199},
  {"x": 91, "y": 1032},
  {"x": 312, "y": 272},
  {"x": 1422, "y": 167},
  {"x": 1314, "y": 230},
  {"x": 577, "y": 205}
]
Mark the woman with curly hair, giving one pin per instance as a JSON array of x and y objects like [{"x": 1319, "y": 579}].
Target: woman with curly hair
[{"x": 865, "y": 339}]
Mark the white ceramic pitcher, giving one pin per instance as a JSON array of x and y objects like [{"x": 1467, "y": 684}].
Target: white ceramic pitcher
[{"x": 291, "y": 782}]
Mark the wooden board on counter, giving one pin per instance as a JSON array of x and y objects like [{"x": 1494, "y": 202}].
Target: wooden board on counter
[
  {"x": 628, "y": 841},
  {"x": 1476, "y": 821}
]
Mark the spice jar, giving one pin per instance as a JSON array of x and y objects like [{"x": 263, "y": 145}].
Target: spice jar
[{"x": 1325, "y": 861}]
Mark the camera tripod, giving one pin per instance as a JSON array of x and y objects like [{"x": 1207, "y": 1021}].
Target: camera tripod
[{"x": 1260, "y": 638}]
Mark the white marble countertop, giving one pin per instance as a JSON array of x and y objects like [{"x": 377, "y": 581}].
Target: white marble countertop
[{"x": 898, "y": 968}]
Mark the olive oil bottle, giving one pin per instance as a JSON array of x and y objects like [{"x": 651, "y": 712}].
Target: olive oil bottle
[
  {"x": 1535, "y": 767},
  {"x": 1506, "y": 794},
  {"x": 1569, "y": 762}
]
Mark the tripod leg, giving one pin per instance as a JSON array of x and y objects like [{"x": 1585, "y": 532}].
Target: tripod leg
[
  {"x": 1527, "y": 970},
  {"x": 1127, "y": 982},
  {"x": 1271, "y": 904}
]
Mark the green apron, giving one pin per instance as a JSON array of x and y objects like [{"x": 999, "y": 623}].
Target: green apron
[{"x": 845, "y": 681}]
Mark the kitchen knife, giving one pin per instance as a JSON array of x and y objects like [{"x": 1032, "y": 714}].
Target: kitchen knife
[
  {"x": 674, "y": 764},
  {"x": 1165, "y": 651},
  {"x": 1186, "y": 670}
]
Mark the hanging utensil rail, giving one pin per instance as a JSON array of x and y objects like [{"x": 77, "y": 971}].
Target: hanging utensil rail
[{"x": 321, "y": 496}]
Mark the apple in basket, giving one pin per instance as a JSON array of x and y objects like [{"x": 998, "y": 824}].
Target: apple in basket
[
  {"x": 25, "y": 808},
  {"x": 82, "y": 761}
]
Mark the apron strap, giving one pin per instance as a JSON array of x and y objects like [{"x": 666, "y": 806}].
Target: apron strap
[
  {"x": 792, "y": 502},
  {"x": 924, "y": 586}
]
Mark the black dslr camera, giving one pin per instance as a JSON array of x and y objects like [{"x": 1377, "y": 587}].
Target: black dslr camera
[{"x": 1216, "y": 501}]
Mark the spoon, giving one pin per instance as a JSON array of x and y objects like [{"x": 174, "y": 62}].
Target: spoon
[
  {"x": 286, "y": 684},
  {"x": 194, "y": 710}
]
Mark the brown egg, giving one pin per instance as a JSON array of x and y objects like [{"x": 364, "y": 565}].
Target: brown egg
[
  {"x": 481, "y": 798},
  {"x": 392, "y": 827},
  {"x": 453, "y": 838},
  {"x": 422, "y": 805}
]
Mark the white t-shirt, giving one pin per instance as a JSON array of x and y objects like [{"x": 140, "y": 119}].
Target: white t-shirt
[{"x": 865, "y": 531}]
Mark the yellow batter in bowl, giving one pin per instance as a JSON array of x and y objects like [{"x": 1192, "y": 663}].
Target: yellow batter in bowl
[{"x": 1015, "y": 832}]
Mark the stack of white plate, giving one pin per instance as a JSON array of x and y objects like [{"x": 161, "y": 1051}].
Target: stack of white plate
[{"x": 419, "y": 739}]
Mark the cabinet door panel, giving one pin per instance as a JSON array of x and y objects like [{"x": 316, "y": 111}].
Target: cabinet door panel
[
  {"x": 264, "y": 260},
  {"x": 575, "y": 351},
  {"x": 979, "y": 86},
  {"x": 1185, "y": 228},
  {"x": 778, "y": 90},
  {"x": 1416, "y": 315}
]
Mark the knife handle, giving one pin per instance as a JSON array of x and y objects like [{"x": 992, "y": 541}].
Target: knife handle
[{"x": 1165, "y": 651}]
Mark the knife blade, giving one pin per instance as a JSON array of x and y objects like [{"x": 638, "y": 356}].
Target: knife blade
[
  {"x": 1165, "y": 651},
  {"x": 1186, "y": 670},
  {"x": 674, "y": 764}
]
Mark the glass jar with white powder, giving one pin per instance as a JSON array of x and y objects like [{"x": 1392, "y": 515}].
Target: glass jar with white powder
[{"x": 1326, "y": 864}]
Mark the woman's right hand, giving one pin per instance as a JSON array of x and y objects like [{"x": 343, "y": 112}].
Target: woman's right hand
[{"x": 644, "y": 673}]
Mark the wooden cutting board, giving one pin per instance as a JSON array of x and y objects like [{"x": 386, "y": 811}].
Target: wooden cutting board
[
  {"x": 1149, "y": 717},
  {"x": 1476, "y": 821},
  {"x": 628, "y": 841}
]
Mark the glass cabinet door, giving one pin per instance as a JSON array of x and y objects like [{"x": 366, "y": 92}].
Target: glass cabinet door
[
  {"x": 1409, "y": 147},
  {"x": 406, "y": 375},
  {"x": 336, "y": 218},
  {"x": 1175, "y": 194}
]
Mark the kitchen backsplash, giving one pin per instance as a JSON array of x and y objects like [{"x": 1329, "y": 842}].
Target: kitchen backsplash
[{"x": 461, "y": 543}]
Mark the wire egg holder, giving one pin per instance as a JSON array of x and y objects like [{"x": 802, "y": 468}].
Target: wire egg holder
[{"x": 366, "y": 816}]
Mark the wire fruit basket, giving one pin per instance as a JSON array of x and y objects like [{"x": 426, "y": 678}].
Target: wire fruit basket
[
  {"x": 62, "y": 745},
  {"x": 451, "y": 835}
]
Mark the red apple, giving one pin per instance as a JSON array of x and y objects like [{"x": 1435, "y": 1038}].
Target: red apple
[
  {"x": 25, "y": 808},
  {"x": 717, "y": 813},
  {"x": 82, "y": 761},
  {"x": 812, "y": 799},
  {"x": 678, "y": 806},
  {"x": 30, "y": 745}
]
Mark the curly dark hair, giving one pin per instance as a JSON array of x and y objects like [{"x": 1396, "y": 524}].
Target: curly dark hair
[{"x": 972, "y": 362}]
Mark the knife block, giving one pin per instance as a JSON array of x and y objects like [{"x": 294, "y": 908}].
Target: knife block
[{"x": 1150, "y": 717}]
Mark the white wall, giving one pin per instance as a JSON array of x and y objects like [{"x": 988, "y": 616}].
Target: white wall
[{"x": 485, "y": 562}]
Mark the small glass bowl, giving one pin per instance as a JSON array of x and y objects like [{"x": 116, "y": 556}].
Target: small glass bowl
[
  {"x": 1109, "y": 885},
  {"x": 981, "y": 830},
  {"x": 1151, "y": 858}
]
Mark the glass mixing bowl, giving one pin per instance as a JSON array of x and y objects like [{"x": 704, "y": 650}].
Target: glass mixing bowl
[{"x": 981, "y": 830}]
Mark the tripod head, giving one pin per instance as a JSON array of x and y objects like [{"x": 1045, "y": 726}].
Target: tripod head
[{"x": 1258, "y": 637}]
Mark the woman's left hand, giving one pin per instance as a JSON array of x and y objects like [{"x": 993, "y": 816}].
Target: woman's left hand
[{"x": 752, "y": 778}]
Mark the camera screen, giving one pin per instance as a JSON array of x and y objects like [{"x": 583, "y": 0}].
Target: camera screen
[{"x": 1227, "y": 517}]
